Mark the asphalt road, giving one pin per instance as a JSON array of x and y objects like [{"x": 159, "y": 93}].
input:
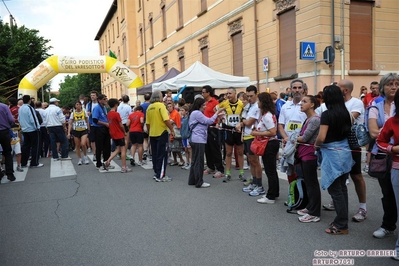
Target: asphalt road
[{"x": 93, "y": 218}]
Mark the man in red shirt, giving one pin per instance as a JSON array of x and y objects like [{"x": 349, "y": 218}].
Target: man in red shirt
[
  {"x": 117, "y": 132},
  {"x": 136, "y": 122},
  {"x": 212, "y": 149},
  {"x": 370, "y": 97}
]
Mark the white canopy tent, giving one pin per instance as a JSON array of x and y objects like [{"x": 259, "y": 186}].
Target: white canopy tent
[{"x": 199, "y": 75}]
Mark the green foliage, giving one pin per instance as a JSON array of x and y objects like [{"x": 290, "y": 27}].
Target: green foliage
[
  {"x": 21, "y": 50},
  {"x": 73, "y": 86}
]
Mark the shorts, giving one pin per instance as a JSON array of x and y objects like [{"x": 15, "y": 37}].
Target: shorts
[
  {"x": 136, "y": 137},
  {"x": 16, "y": 148},
  {"x": 126, "y": 128},
  {"x": 233, "y": 138},
  {"x": 247, "y": 147},
  {"x": 79, "y": 134},
  {"x": 92, "y": 134},
  {"x": 176, "y": 145},
  {"x": 357, "y": 167},
  {"x": 119, "y": 142},
  {"x": 186, "y": 143}
]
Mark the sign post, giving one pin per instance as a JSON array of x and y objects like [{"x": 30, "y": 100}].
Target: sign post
[{"x": 266, "y": 70}]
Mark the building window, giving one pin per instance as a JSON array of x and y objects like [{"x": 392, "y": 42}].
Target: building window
[
  {"x": 152, "y": 71},
  {"x": 287, "y": 43},
  {"x": 109, "y": 39},
  {"x": 204, "y": 6},
  {"x": 122, "y": 7},
  {"x": 180, "y": 56},
  {"x": 124, "y": 48},
  {"x": 141, "y": 39},
  {"x": 203, "y": 45},
  {"x": 165, "y": 63},
  {"x": 180, "y": 12},
  {"x": 163, "y": 12},
  {"x": 235, "y": 31},
  {"x": 113, "y": 32},
  {"x": 360, "y": 36},
  {"x": 237, "y": 54},
  {"x": 142, "y": 74},
  {"x": 151, "y": 31},
  {"x": 117, "y": 27}
]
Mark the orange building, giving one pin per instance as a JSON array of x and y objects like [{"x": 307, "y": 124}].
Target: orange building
[{"x": 234, "y": 37}]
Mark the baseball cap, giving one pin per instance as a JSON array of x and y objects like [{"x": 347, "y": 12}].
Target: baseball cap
[{"x": 53, "y": 100}]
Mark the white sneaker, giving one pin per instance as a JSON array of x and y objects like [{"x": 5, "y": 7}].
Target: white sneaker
[
  {"x": 382, "y": 233},
  {"x": 302, "y": 212},
  {"x": 80, "y": 161},
  {"x": 86, "y": 160},
  {"x": 309, "y": 218},
  {"x": 89, "y": 150},
  {"x": 188, "y": 166},
  {"x": 265, "y": 200},
  {"x": 205, "y": 185}
]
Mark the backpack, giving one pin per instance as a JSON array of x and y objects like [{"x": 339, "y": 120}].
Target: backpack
[
  {"x": 185, "y": 130},
  {"x": 297, "y": 196}
]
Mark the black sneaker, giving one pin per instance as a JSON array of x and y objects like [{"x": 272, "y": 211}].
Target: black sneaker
[
  {"x": 132, "y": 163},
  {"x": 11, "y": 177}
]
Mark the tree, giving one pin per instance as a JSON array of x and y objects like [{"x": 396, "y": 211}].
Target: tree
[
  {"x": 73, "y": 86},
  {"x": 21, "y": 50}
]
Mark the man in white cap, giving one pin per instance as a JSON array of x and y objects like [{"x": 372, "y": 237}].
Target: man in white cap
[{"x": 55, "y": 123}]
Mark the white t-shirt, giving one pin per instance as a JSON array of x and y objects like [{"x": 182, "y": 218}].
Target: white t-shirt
[
  {"x": 356, "y": 105},
  {"x": 251, "y": 111},
  {"x": 291, "y": 117},
  {"x": 266, "y": 122},
  {"x": 124, "y": 110},
  {"x": 353, "y": 105}
]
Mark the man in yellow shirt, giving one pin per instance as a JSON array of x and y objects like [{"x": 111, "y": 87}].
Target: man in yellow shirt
[
  {"x": 157, "y": 121},
  {"x": 232, "y": 123}
]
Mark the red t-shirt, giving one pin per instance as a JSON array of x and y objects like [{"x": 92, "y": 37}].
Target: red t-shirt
[
  {"x": 14, "y": 111},
  {"x": 135, "y": 124},
  {"x": 115, "y": 130},
  {"x": 210, "y": 106}
]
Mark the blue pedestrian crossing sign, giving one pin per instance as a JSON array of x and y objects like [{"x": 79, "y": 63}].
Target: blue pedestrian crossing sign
[{"x": 308, "y": 51}]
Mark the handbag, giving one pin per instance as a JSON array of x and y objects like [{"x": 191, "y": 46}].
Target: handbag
[
  {"x": 177, "y": 132},
  {"x": 258, "y": 145},
  {"x": 379, "y": 165}
]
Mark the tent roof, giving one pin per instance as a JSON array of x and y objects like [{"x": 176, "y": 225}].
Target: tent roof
[
  {"x": 168, "y": 75},
  {"x": 199, "y": 75}
]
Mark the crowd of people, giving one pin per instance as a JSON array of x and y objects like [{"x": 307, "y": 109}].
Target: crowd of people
[{"x": 315, "y": 128}]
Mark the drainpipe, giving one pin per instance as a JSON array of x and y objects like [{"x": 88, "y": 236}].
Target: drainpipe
[
  {"x": 342, "y": 46},
  {"x": 256, "y": 43},
  {"x": 145, "y": 45},
  {"x": 332, "y": 38}
]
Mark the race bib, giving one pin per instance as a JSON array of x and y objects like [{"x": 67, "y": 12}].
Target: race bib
[
  {"x": 293, "y": 125},
  {"x": 80, "y": 125},
  {"x": 233, "y": 120}
]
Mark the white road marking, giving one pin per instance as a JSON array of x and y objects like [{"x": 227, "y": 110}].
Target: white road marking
[
  {"x": 61, "y": 168},
  {"x": 19, "y": 176},
  {"x": 117, "y": 167}
]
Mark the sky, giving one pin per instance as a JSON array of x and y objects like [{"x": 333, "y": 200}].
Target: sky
[{"x": 70, "y": 25}]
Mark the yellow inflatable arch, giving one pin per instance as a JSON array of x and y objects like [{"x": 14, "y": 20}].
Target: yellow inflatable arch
[{"x": 53, "y": 65}]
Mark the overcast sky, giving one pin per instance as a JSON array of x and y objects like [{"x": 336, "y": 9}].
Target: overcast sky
[{"x": 70, "y": 25}]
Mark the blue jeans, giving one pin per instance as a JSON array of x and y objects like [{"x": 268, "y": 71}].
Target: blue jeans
[
  {"x": 159, "y": 148},
  {"x": 339, "y": 194},
  {"x": 57, "y": 134},
  {"x": 395, "y": 185}
]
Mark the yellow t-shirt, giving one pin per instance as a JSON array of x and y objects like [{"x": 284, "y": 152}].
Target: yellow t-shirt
[
  {"x": 156, "y": 116},
  {"x": 233, "y": 112}
]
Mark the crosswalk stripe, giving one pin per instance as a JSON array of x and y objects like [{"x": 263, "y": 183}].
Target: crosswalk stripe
[
  {"x": 19, "y": 176},
  {"x": 117, "y": 167},
  {"x": 62, "y": 168}
]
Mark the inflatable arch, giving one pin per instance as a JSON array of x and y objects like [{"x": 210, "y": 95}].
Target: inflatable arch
[{"x": 54, "y": 65}]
